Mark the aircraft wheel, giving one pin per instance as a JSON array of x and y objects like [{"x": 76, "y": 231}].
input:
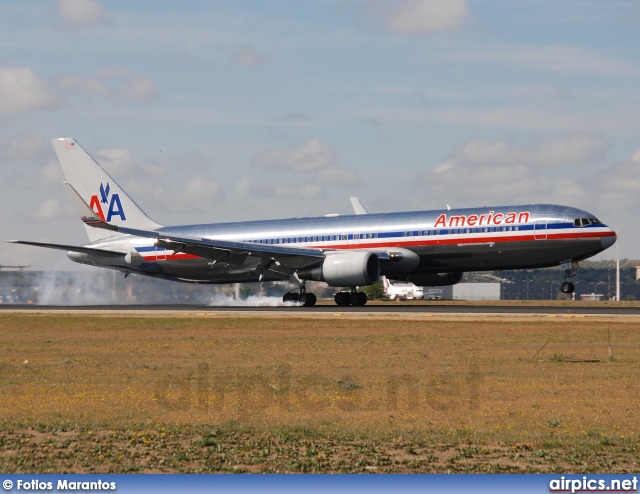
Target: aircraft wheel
[
  {"x": 362, "y": 298},
  {"x": 567, "y": 287},
  {"x": 287, "y": 297},
  {"x": 354, "y": 299},
  {"x": 311, "y": 300},
  {"x": 304, "y": 299},
  {"x": 341, "y": 299}
]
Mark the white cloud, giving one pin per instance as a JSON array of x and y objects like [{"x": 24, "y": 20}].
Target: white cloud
[
  {"x": 46, "y": 177},
  {"x": 624, "y": 178},
  {"x": 50, "y": 174},
  {"x": 491, "y": 173},
  {"x": 119, "y": 163},
  {"x": 189, "y": 196},
  {"x": 81, "y": 12},
  {"x": 192, "y": 160},
  {"x": 615, "y": 197},
  {"x": 313, "y": 159},
  {"x": 428, "y": 16},
  {"x": 23, "y": 147},
  {"x": 550, "y": 58},
  {"x": 311, "y": 156},
  {"x": 245, "y": 55},
  {"x": 116, "y": 83},
  {"x": 196, "y": 193},
  {"x": 48, "y": 210},
  {"x": 306, "y": 191},
  {"x": 337, "y": 176},
  {"x": 21, "y": 91},
  {"x": 575, "y": 149}
]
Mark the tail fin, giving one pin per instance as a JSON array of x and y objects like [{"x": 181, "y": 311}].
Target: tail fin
[{"x": 105, "y": 197}]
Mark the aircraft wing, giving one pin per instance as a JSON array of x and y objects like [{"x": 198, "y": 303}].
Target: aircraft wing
[
  {"x": 72, "y": 248},
  {"x": 216, "y": 250}
]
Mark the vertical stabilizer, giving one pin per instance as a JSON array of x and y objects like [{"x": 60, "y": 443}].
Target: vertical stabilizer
[{"x": 94, "y": 185}]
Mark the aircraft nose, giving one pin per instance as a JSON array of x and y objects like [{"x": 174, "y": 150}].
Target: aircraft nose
[{"x": 608, "y": 241}]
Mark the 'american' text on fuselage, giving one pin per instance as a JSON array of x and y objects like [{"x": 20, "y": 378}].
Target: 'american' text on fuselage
[{"x": 492, "y": 218}]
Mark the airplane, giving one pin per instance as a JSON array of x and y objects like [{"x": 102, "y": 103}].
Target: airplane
[
  {"x": 427, "y": 248},
  {"x": 398, "y": 290}
]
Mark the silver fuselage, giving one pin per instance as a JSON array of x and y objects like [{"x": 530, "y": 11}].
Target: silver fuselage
[{"x": 474, "y": 239}]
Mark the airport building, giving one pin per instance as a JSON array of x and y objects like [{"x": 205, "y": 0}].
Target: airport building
[{"x": 463, "y": 291}]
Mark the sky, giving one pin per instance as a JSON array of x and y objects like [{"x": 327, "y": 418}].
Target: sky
[{"x": 212, "y": 111}]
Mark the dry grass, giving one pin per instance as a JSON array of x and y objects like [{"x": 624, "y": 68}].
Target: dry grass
[{"x": 328, "y": 394}]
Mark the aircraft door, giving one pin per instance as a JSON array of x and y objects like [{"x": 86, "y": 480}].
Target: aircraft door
[
  {"x": 161, "y": 254},
  {"x": 540, "y": 230}
]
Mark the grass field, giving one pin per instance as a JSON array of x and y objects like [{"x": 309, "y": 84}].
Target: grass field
[{"x": 222, "y": 393}]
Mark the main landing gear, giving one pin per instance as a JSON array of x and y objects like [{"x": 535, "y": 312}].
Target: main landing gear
[
  {"x": 352, "y": 297},
  {"x": 302, "y": 297}
]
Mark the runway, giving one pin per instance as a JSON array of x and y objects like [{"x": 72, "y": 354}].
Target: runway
[{"x": 574, "y": 309}]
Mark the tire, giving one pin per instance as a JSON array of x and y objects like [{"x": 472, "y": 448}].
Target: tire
[
  {"x": 353, "y": 299},
  {"x": 567, "y": 288},
  {"x": 362, "y": 298},
  {"x": 304, "y": 299},
  {"x": 341, "y": 299},
  {"x": 311, "y": 300}
]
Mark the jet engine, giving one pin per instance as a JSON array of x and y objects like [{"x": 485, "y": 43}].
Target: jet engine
[
  {"x": 358, "y": 268},
  {"x": 433, "y": 279}
]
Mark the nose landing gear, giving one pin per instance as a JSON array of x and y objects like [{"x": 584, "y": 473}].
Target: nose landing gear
[
  {"x": 568, "y": 267},
  {"x": 567, "y": 287}
]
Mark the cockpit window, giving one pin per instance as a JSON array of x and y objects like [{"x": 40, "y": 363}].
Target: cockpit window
[{"x": 585, "y": 221}]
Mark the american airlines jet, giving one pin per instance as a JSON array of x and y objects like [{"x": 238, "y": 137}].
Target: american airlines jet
[{"x": 432, "y": 248}]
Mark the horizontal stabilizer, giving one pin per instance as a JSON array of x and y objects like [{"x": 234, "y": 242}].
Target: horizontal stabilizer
[{"x": 72, "y": 248}]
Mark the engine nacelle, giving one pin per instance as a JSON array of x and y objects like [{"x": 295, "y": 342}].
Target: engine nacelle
[
  {"x": 434, "y": 279},
  {"x": 359, "y": 268}
]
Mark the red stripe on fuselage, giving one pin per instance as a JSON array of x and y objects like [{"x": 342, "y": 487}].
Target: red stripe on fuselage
[
  {"x": 171, "y": 257},
  {"x": 443, "y": 240}
]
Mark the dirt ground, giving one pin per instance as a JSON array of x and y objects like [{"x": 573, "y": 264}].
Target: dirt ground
[{"x": 209, "y": 393}]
